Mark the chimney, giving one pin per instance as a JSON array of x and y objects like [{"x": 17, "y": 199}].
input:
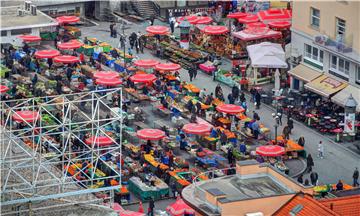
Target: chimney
[
  {"x": 27, "y": 5},
  {"x": 33, "y": 10}
]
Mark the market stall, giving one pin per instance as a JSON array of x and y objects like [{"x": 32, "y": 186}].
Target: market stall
[
  {"x": 275, "y": 14},
  {"x": 180, "y": 208},
  {"x": 148, "y": 187}
]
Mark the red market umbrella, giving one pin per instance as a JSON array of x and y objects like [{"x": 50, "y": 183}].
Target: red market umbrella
[
  {"x": 215, "y": 30},
  {"x": 249, "y": 18},
  {"x": 179, "y": 208},
  {"x": 275, "y": 14},
  {"x": 99, "y": 141},
  {"x": 29, "y": 38},
  {"x": 150, "y": 134},
  {"x": 270, "y": 150},
  {"x": 146, "y": 63},
  {"x": 204, "y": 20},
  {"x": 26, "y": 116},
  {"x": 41, "y": 54},
  {"x": 66, "y": 59},
  {"x": 256, "y": 25},
  {"x": 157, "y": 30},
  {"x": 197, "y": 129},
  {"x": 168, "y": 67},
  {"x": 67, "y": 19},
  {"x": 236, "y": 15},
  {"x": 191, "y": 19},
  {"x": 280, "y": 24},
  {"x": 256, "y": 33},
  {"x": 73, "y": 44},
  {"x": 106, "y": 74},
  {"x": 230, "y": 109},
  {"x": 143, "y": 78},
  {"x": 109, "y": 81},
  {"x": 131, "y": 213},
  {"x": 3, "y": 89}
]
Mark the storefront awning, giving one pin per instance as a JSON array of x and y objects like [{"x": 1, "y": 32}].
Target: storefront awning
[
  {"x": 341, "y": 97},
  {"x": 304, "y": 73},
  {"x": 325, "y": 85}
]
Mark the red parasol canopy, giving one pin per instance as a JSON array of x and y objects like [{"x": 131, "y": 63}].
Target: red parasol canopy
[
  {"x": 275, "y": 14},
  {"x": 337, "y": 130},
  {"x": 256, "y": 25},
  {"x": 280, "y": 24},
  {"x": 249, "y": 34},
  {"x": 146, "y": 63},
  {"x": 46, "y": 54},
  {"x": 237, "y": 15},
  {"x": 215, "y": 30},
  {"x": 198, "y": 129},
  {"x": 204, "y": 20},
  {"x": 67, "y": 19},
  {"x": 141, "y": 208},
  {"x": 230, "y": 108},
  {"x": 29, "y": 38},
  {"x": 3, "y": 89},
  {"x": 66, "y": 59},
  {"x": 99, "y": 141},
  {"x": 150, "y": 134},
  {"x": 131, "y": 213},
  {"x": 157, "y": 30},
  {"x": 168, "y": 67},
  {"x": 191, "y": 19},
  {"x": 179, "y": 208},
  {"x": 109, "y": 81},
  {"x": 249, "y": 18},
  {"x": 26, "y": 116},
  {"x": 106, "y": 74},
  {"x": 73, "y": 44},
  {"x": 270, "y": 150},
  {"x": 143, "y": 78}
]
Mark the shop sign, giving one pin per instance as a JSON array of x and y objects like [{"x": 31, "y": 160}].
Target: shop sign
[{"x": 332, "y": 82}]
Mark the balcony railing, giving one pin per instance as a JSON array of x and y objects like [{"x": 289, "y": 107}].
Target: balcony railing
[{"x": 338, "y": 44}]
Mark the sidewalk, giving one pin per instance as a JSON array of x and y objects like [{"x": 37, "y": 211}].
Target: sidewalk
[{"x": 338, "y": 163}]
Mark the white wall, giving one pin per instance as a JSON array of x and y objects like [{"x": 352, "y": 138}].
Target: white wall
[{"x": 13, "y": 39}]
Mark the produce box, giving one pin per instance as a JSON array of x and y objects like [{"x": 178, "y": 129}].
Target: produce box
[
  {"x": 105, "y": 46},
  {"x": 88, "y": 50}
]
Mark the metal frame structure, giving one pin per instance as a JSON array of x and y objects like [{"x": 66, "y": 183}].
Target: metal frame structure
[{"x": 36, "y": 156}]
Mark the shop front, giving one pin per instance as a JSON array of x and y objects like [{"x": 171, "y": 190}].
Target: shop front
[
  {"x": 300, "y": 75},
  {"x": 341, "y": 97}
]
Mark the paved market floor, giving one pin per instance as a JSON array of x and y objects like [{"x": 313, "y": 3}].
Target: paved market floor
[{"x": 339, "y": 162}]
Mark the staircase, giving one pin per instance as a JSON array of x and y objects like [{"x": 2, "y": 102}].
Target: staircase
[{"x": 145, "y": 9}]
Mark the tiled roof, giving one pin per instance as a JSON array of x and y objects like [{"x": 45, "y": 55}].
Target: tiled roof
[
  {"x": 306, "y": 205},
  {"x": 347, "y": 206}
]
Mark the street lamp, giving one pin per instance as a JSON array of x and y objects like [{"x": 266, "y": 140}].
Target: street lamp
[
  {"x": 124, "y": 47},
  {"x": 276, "y": 117}
]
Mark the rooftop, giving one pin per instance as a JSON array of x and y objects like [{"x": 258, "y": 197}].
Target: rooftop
[
  {"x": 237, "y": 187},
  {"x": 304, "y": 205},
  {"x": 10, "y": 19},
  {"x": 347, "y": 205}
]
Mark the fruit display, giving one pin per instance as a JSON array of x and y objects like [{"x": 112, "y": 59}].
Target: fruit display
[{"x": 151, "y": 160}]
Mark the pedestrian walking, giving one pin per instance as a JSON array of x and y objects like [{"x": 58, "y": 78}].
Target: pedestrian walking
[
  {"x": 235, "y": 92},
  {"x": 321, "y": 150},
  {"x": 309, "y": 163},
  {"x": 172, "y": 26},
  {"x": 257, "y": 100},
  {"x": 314, "y": 178},
  {"x": 286, "y": 132},
  {"x": 141, "y": 44},
  {"x": 191, "y": 74},
  {"x": 242, "y": 97},
  {"x": 279, "y": 112},
  {"x": 230, "y": 155},
  {"x": 356, "y": 177},
  {"x": 152, "y": 19},
  {"x": 256, "y": 116},
  {"x": 290, "y": 123},
  {"x": 137, "y": 47},
  {"x": 122, "y": 42},
  {"x": 231, "y": 98},
  {"x": 151, "y": 207},
  {"x": 112, "y": 25},
  {"x": 194, "y": 71},
  {"x": 301, "y": 141},
  {"x": 300, "y": 179}
]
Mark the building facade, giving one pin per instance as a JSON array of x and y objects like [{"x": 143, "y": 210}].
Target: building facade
[{"x": 326, "y": 36}]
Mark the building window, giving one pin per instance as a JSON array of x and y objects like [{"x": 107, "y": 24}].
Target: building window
[
  {"x": 3, "y": 33},
  {"x": 77, "y": 10},
  {"x": 340, "y": 66},
  {"x": 21, "y": 31},
  {"x": 315, "y": 17},
  {"x": 358, "y": 74},
  {"x": 340, "y": 28},
  {"x": 314, "y": 53}
]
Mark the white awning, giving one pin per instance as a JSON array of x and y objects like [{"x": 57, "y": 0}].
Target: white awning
[
  {"x": 267, "y": 55},
  {"x": 341, "y": 97}
]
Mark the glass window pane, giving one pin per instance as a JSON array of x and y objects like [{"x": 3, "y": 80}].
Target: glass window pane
[
  {"x": 333, "y": 61},
  {"x": 347, "y": 67},
  {"x": 321, "y": 55},
  {"x": 315, "y": 53}
]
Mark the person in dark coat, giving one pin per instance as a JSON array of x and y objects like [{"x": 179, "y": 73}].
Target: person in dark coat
[
  {"x": 356, "y": 177},
  {"x": 218, "y": 89},
  {"x": 235, "y": 92},
  {"x": 151, "y": 207},
  {"x": 242, "y": 97},
  {"x": 112, "y": 29},
  {"x": 152, "y": 19},
  {"x": 290, "y": 123},
  {"x": 34, "y": 79},
  {"x": 256, "y": 116},
  {"x": 339, "y": 186},
  {"x": 191, "y": 74},
  {"x": 300, "y": 179},
  {"x": 223, "y": 138},
  {"x": 231, "y": 98},
  {"x": 313, "y": 178},
  {"x": 257, "y": 100},
  {"x": 230, "y": 155},
  {"x": 301, "y": 141},
  {"x": 172, "y": 26},
  {"x": 309, "y": 163},
  {"x": 286, "y": 132}
]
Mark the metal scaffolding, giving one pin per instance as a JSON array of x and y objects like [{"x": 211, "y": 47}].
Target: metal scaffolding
[{"x": 37, "y": 156}]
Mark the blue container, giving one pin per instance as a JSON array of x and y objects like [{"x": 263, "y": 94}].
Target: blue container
[
  {"x": 118, "y": 67},
  {"x": 96, "y": 55}
]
